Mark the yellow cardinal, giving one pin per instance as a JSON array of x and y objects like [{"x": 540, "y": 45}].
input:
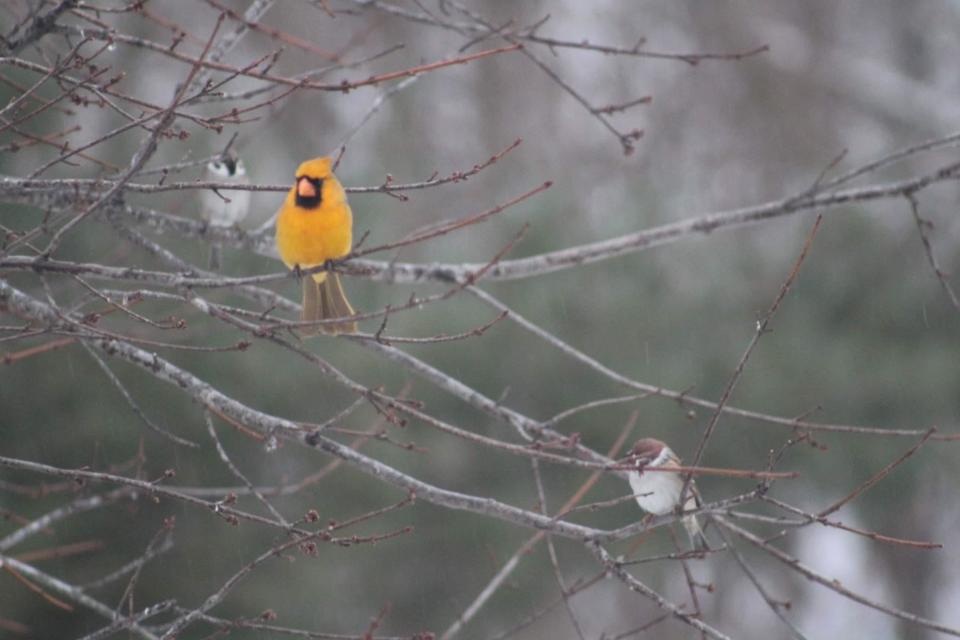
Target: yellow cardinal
[{"x": 315, "y": 225}]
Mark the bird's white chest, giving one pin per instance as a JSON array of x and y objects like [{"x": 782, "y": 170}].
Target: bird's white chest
[
  {"x": 219, "y": 212},
  {"x": 658, "y": 492}
]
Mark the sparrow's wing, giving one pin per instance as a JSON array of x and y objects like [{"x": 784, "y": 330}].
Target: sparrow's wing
[
  {"x": 697, "y": 498},
  {"x": 692, "y": 491}
]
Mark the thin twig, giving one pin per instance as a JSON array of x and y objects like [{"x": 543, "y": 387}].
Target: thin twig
[
  {"x": 922, "y": 225},
  {"x": 762, "y": 325},
  {"x": 835, "y": 585}
]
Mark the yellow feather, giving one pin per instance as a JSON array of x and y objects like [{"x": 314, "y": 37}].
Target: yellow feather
[{"x": 309, "y": 236}]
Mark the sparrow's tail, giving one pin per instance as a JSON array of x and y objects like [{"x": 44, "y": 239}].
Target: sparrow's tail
[
  {"x": 692, "y": 524},
  {"x": 215, "y": 257},
  {"x": 695, "y": 531}
]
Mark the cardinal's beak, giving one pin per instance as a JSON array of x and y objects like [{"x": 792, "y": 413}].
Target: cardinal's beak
[{"x": 305, "y": 188}]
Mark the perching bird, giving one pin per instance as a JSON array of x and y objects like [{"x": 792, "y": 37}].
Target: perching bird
[
  {"x": 315, "y": 225},
  {"x": 224, "y": 210},
  {"x": 658, "y": 492}
]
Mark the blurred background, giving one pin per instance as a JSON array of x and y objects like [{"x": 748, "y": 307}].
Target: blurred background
[{"x": 866, "y": 337}]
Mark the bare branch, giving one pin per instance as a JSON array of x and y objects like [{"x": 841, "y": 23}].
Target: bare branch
[{"x": 74, "y": 594}]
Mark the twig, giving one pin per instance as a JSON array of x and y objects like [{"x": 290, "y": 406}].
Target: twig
[
  {"x": 435, "y": 339},
  {"x": 552, "y": 553},
  {"x": 133, "y": 403},
  {"x": 682, "y": 397},
  {"x": 71, "y": 593},
  {"x": 44, "y": 522},
  {"x": 877, "y": 477},
  {"x": 833, "y": 584},
  {"x": 239, "y": 474},
  {"x": 159, "y": 545},
  {"x": 589, "y": 253},
  {"x": 774, "y": 605},
  {"x": 513, "y": 562},
  {"x": 127, "y": 622},
  {"x": 637, "y": 586},
  {"x": 762, "y": 325},
  {"x": 456, "y": 224},
  {"x": 712, "y": 471},
  {"x": 343, "y": 86},
  {"x": 942, "y": 277},
  {"x": 692, "y": 584},
  {"x": 529, "y": 34},
  {"x": 147, "y": 148},
  {"x": 36, "y": 28},
  {"x": 587, "y": 406},
  {"x": 809, "y": 518}
]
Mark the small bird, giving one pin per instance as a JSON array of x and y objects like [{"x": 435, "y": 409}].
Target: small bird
[
  {"x": 220, "y": 210},
  {"x": 658, "y": 492},
  {"x": 315, "y": 225}
]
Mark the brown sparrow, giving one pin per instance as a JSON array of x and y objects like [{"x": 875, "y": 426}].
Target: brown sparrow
[{"x": 658, "y": 492}]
